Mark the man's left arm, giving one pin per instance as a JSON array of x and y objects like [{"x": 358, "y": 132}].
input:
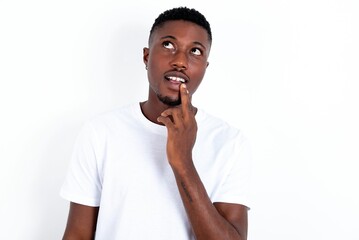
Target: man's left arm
[{"x": 208, "y": 220}]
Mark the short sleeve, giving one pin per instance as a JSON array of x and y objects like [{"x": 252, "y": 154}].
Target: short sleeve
[
  {"x": 82, "y": 183},
  {"x": 236, "y": 184}
]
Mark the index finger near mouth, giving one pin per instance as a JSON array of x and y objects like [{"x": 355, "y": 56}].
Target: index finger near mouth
[{"x": 185, "y": 100}]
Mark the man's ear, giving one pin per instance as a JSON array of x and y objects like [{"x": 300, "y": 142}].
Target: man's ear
[{"x": 146, "y": 52}]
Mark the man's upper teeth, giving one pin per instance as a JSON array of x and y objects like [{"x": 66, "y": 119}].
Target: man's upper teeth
[{"x": 178, "y": 79}]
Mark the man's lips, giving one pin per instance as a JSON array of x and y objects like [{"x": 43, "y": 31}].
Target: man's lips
[{"x": 176, "y": 77}]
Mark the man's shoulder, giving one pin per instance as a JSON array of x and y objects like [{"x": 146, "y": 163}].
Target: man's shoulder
[
  {"x": 213, "y": 121},
  {"x": 123, "y": 111},
  {"x": 109, "y": 119},
  {"x": 210, "y": 124}
]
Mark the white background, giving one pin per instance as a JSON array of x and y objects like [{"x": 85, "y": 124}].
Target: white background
[{"x": 285, "y": 72}]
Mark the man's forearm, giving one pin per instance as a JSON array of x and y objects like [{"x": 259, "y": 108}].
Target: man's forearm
[{"x": 207, "y": 223}]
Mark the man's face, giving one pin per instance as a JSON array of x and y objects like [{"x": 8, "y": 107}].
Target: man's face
[{"x": 177, "y": 53}]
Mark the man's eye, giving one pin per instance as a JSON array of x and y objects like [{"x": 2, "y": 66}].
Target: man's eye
[
  {"x": 168, "y": 45},
  {"x": 196, "y": 51}
]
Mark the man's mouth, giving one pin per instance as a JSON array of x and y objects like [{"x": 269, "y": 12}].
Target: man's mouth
[{"x": 175, "y": 79}]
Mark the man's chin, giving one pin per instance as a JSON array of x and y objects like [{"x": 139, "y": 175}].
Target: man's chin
[{"x": 169, "y": 101}]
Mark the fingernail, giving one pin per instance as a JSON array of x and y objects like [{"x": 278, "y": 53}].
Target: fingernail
[{"x": 185, "y": 87}]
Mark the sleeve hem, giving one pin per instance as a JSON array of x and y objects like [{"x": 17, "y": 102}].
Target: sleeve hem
[
  {"x": 92, "y": 202},
  {"x": 233, "y": 201}
]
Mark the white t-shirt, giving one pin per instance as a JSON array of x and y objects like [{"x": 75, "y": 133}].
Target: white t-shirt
[{"x": 119, "y": 164}]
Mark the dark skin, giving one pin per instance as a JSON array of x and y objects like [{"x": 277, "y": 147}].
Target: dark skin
[{"x": 178, "y": 51}]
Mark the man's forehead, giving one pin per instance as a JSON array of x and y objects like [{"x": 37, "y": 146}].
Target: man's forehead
[{"x": 181, "y": 29}]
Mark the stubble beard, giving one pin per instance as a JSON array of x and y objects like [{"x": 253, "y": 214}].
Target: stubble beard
[{"x": 169, "y": 101}]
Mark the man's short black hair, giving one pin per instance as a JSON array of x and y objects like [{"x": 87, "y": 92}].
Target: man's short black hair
[{"x": 182, "y": 13}]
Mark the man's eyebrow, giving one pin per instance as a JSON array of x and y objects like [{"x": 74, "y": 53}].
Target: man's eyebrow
[
  {"x": 195, "y": 42},
  {"x": 168, "y": 36},
  {"x": 198, "y": 43}
]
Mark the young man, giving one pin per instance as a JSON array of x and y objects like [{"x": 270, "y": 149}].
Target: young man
[{"x": 161, "y": 169}]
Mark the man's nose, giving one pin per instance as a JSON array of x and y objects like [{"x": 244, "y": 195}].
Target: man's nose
[{"x": 179, "y": 61}]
